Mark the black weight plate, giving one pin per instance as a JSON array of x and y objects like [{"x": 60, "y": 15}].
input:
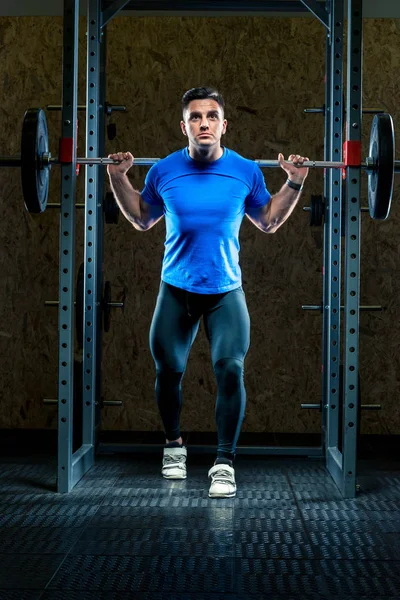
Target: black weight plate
[
  {"x": 317, "y": 210},
  {"x": 380, "y": 179},
  {"x": 111, "y": 209},
  {"x": 107, "y": 307},
  {"x": 79, "y": 306},
  {"x": 34, "y": 176}
]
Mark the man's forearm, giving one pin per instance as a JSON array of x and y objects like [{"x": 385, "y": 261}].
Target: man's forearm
[
  {"x": 128, "y": 199},
  {"x": 280, "y": 207}
]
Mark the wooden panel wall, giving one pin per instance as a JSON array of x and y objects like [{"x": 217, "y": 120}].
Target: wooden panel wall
[{"x": 269, "y": 70}]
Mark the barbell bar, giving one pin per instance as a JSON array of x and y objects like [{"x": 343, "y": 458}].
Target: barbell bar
[
  {"x": 48, "y": 161},
  {"x": 35, "y": 162}
]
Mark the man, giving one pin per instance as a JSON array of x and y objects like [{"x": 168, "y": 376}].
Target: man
[{"x": 204, "y": 191}]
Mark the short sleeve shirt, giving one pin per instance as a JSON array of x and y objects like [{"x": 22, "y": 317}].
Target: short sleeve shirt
[{"x": 204, "y": 205}]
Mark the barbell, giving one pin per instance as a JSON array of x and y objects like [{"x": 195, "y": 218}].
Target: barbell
[{"x": 36, "y": 160}]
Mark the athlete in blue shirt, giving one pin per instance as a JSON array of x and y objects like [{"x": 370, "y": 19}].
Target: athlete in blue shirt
[{"x": 203, "y": 191}]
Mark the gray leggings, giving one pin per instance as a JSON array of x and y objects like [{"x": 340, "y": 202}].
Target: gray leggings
[{"x": 173, "y": 330}]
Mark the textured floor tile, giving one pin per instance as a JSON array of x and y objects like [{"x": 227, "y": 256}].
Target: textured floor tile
[
  {"x": 23, "y": 520},
  {"x": 155, "y": 542},
  {"x": 77, "y": 509},
  {"x": 20, "y": 594},
  {"x": 344, "y": 526},
  {"x": 280, "y": 577},
  {"x": 167, "y": 573},
  {"x": 362, "y": 577},
  {"x": 27, "y": 571},
  {"x": 46, "y": 540},
  {"x": 278, "y": 545},
  {"x": 353, "y": 546},
  {"x": 215, "y": 517}
]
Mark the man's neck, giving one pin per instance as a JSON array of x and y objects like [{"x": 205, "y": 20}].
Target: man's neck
[{"x": 206, "y": 154}]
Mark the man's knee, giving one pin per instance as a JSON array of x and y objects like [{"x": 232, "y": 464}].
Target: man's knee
[
  {"x": 229, "y": 374},
  {"x": 168, "y": 378}
]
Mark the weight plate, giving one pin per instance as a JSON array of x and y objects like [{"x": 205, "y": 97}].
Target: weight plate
[
  {"x": 79, "y": 307},
  {"x": 317, "y": 210},
  {"x": 34, "y": 176},
  {"x": 380, "y": 178},
  {"x": 111, "y": 209},
  {"x": 107, "y": 307}
]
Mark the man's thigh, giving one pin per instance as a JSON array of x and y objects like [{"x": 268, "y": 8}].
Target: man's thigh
[
  {"x": 172, "y": 330},
  {"x": 227, "y": 325}
]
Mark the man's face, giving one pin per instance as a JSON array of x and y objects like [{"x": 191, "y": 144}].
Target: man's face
[{"x": 203, "y": 123}]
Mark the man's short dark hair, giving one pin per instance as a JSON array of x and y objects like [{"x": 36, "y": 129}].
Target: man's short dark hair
[{"x": 202, "y": 93}]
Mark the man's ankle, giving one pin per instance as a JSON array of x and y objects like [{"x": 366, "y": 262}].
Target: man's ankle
[
  {"x": 178, "y": 441},
  {"x": 223, "y": 460}
]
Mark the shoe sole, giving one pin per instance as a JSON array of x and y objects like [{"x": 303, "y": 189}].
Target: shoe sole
[
  {"x": 222, "y": 495},
  {"x": 167, "y": 477}
]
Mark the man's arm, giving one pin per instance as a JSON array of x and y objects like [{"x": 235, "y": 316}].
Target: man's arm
[
  {"x": 270, "y": 217},
  {"x": 138, "y": 212}
]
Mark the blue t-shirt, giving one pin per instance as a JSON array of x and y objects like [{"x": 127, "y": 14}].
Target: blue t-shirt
[{"x": 204, "y": 205}]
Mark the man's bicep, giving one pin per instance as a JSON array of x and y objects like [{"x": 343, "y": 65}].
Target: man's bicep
[
  {"x": 258, "y": 215},
  {"x": 150, "y": 213}
]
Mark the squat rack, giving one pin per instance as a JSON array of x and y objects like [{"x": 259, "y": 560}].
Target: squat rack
[{"x": 339, "y": 428}]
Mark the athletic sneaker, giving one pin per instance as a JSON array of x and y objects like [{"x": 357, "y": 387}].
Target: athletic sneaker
[
  {"x": 174, "y": 462},
  {"x": 223, "y": 483}
]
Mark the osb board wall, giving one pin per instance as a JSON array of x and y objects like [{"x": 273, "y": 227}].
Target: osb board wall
[{"x": 269, "y": 70}]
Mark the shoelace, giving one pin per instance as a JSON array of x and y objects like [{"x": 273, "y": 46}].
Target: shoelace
[
  {"x": 223, "y": 476},
  {"x": 168, "y": 459}
]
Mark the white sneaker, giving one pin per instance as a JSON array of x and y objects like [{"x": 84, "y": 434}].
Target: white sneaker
[
  {"x": 223, "y": 483},
  {"x": 174, "y": 463}
]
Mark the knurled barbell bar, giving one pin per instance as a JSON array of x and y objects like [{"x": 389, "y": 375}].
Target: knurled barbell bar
[{"x": 35, "y": 162}]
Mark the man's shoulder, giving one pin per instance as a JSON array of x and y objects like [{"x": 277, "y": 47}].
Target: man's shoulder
[
  {"x": 236, "y": 157},
  {"x": 240, "y": 161},
  {"x": 174, "y": 157},
  {"x": 166, "y": 165}
]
